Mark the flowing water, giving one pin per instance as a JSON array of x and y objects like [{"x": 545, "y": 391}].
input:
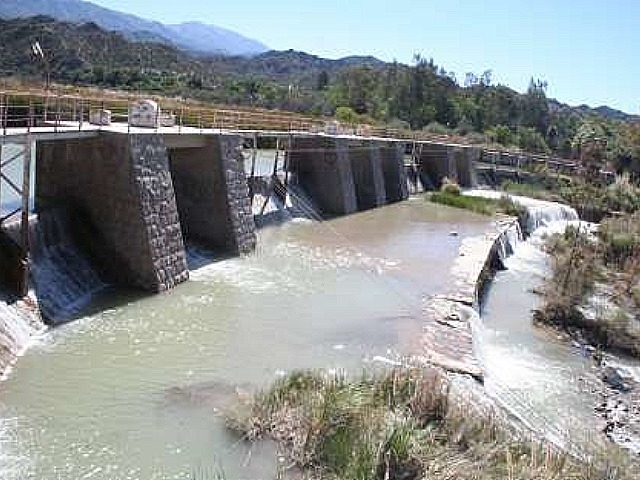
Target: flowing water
[
  {"x": 130, "y": 393},
  {"x": 18, "y": 322},
  {"x": 63, "y": 278},
  {"x": 550, "y": 385}
]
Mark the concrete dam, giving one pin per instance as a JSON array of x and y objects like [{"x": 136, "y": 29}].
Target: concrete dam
[
  {"x": 132, "y": 202},
  {"x": 129, "y": 388},
  {"x": 120, "y": 203}
]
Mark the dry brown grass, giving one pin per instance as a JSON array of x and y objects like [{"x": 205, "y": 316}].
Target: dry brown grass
[
  {"x": 400, "y": 425},
  {"x": 608, "y": 265}
]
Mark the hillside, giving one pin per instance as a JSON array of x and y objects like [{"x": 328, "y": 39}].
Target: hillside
[
  {"x": 192, "y": 36},
  {"x": 355, "y": 89}
]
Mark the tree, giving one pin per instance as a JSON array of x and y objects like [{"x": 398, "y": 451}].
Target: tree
[
  {"x": 535, "y": 107},
  {"x": 323, "y": 80}
]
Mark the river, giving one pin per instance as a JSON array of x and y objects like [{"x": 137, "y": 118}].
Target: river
[
  {"x": 551, "y": 385},
  {"x": 130, "y": 392}
]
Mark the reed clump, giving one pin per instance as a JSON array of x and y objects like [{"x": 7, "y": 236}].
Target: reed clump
[{"x": 400, "y": 425}]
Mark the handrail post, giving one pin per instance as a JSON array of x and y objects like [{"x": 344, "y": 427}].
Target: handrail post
[
  {"x": 57, "y": 122},
  {"x": 46, "y": 106},
  {"x": 26, "y": 185},
  {"x": 30, "y": 115},
  {"x": 81, "y": 115},
  {"x": 74, "y": 115},
  {"x": 3, "y": 107}
]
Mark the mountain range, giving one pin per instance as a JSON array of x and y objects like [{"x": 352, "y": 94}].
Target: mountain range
[
  {"x": 85, "y": 36},
  {"x": 194, "y": 37}
]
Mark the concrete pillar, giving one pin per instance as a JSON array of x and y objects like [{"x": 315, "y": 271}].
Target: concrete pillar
[
  {"x": 466, "y": 167},
  {"x": 394, "y": 172},
  {"x": 436, "y": 163},
  {"x": 366, "y": 165},
  {"x": 212, "y": 194},
  {"x": 323, "y": 171},
  {"x": 122, "y": 186}
]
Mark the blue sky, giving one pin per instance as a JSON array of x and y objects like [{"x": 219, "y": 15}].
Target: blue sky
[{"x": 586, "y": 50}]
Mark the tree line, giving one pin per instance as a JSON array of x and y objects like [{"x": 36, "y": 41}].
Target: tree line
[{"x": 419, "y": 96}]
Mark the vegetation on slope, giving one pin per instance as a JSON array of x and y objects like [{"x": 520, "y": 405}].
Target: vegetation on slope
[
  {"x": 422, "y": 96},
  {"x": 594, "y": 292},
  {"x": 402, "y": 425},
  {"x": 592, "y": 201}
]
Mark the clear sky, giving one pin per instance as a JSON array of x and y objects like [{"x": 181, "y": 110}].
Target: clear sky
[{"x": 587, "y": 50}]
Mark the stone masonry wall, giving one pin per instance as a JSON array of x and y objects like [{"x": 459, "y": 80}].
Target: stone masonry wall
[
  {"x": 122, "y": 184},
  {"x": 213, "y": 195},
  {"x": 201, "y": 195},
  {"x": 395, "y": 175},
  {"x": 240, "y": 212}
]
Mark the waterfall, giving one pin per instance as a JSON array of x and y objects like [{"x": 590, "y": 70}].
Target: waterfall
[
  {"x": 544, "y": 385},
  {"x": 18, "y": 324},
  {"x": 63, "y": 277},
  {"x": 541, "y": 213},
  {"x": 509, "y": 239}
]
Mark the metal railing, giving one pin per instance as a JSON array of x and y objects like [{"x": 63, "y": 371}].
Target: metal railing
[{"x": 27, "y": 112}]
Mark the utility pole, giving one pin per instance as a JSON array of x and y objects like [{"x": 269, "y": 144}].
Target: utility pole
[{"x": 38, "y": 52}]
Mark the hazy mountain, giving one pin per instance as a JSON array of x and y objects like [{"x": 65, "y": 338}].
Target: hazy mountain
[
  {"x": 203, "y": 38},
  {"x": 587, "y": 111},
  {"x": 193, "y": 36}
]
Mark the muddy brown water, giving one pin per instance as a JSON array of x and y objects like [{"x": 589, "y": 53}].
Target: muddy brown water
[{"x": 130, "y": 392}]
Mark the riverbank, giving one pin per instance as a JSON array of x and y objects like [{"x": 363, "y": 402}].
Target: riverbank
[
  {"x": 592, "y": 296},
  {"x": 406, "y": 424}
]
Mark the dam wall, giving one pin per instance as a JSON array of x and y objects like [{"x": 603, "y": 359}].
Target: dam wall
[
  {"x": 123, "y": 187},
  {"x": 343, "y": 175},
  {"x": 323, "y": 170},
  {"x": 368, "y": 177},
  {"x": 451, "y": 317},
  {"x": 212, "y": 194},
  {"x": 455, "y": 162},
  {"x": 394, "y": 172}
]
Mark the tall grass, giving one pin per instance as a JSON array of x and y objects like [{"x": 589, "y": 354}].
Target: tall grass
[{"x": 399, "y": 425}]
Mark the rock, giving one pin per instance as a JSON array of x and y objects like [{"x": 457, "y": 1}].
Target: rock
[
  {"x": 615, "y": 378},
  {"x": 453, "y": 233}
]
